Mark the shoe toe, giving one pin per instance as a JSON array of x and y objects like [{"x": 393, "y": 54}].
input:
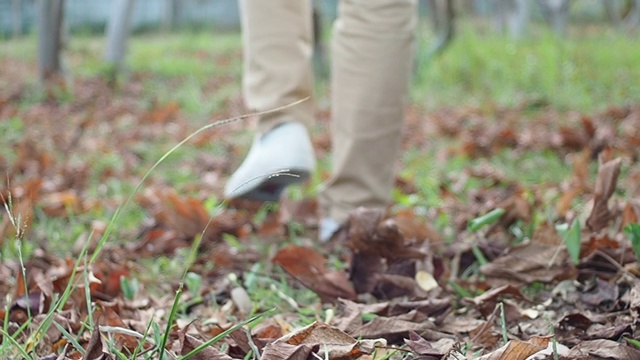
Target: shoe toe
[{"x": 279, "y": 158}]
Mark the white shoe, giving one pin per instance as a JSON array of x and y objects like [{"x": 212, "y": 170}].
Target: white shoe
[{"x": 281, "y": 157}]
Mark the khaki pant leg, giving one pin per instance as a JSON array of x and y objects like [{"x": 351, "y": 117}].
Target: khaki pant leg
[
  {"x": 277, "y": 45},
  {"x": 372, "y": 56}
]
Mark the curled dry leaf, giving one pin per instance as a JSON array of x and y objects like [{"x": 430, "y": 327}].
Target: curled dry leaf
[
  {"x": 94, "y": 348},
  {"x": 608, "y": 172},
  {"x": 383, "y": 261}
]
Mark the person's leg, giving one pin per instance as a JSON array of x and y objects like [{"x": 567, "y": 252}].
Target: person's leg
[
  {"x": 277, "y": 45},
  {"x": 372, "y": 50},
  {"x": 277, "y": 40}
]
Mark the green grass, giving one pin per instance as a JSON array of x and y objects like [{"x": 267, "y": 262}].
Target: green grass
[{"x": 584, "y": 72}]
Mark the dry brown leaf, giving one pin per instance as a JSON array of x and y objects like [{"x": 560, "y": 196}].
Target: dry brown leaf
[
  {"x": 187, "y": 216},
  {"x": 411, "y": 226},
  {"x": 528, "y": 263},
  {"x": 603, "y": 349},
  {"x": 352, "y": 312},
  {"x": 422, "y": 347},
  {"x": 572, "y": 138},
  {"x": 516, "y": 207},
  {"x": 383, "y": 261},
  {"x": 631, "y": 213},
  {"x": 94, "y": 348},
  {"x": 515, "y": 350},
  {"x": 106, "y": 315},
  {"x": 487, "y": 302},
  {"x": 189, "y": 343},
  {"x": 284, "y": 351},
  {"x": 608, "y": 172},
  {"x": 322, "y": 338},
  {"x": 61, "y": 203},
  {"x": 309, "y": 267},
  {"x": 395, "y": 328},
  {"x": 162, "y": 113},
  {"x": 267, "y": 330}
]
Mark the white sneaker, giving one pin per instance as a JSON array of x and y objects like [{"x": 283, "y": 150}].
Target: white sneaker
[{"x": 281, "y": 157}]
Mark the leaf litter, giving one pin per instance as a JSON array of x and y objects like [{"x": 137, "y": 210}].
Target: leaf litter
[{"x": 407, "y": 288}]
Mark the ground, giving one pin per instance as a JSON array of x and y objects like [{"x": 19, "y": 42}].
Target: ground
[{"x": 514, "y": 216}]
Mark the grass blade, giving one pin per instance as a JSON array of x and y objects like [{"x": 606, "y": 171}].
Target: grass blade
[
  {"x": 216, "y": 338},
  {"x": 487, "y": 219}
]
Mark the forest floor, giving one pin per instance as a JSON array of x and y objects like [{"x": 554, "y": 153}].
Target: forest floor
[{"x": 513, "y": 229}]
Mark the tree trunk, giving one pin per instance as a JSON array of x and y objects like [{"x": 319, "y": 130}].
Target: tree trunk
[
  {"x": 50, "y": 16},
  {"x": 16, "y": 17},
  {"x": 117, "y": 32},
  {"x": 624, "y": 14},
  {"x": 169, "y": 15},
  {"x": 556, "y": 13},
  {"x": 320, "y": 63},
  {"x": 632, "y": 20},
  {"x": 511, "y": 17},
  {"x": 443, "y": 18}
]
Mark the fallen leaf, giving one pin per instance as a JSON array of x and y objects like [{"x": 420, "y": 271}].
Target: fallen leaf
[
  {"x": 422, "y": 347},
  {"x": 426, "y": 281},
  {"x": 603, "y": 293},
  {"x": 608, "y": 172},
  {"x": 514, "y": 350},
  {"x": 394, "y": 329},
  {"x": 189, "y": 343},
  {"x": 94, "y": 348},
  {"x": 61, "y": 203},
  {"x": 309, "y": 267},
  {"x": 487, "y": 302},
  {"x": 528, "y": 263},
  {"x": 603, "y": 349},
  {"x": 327, "y": 341}
]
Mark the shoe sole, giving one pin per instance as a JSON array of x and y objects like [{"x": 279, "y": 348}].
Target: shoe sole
[{"x": 272, "y": 187}]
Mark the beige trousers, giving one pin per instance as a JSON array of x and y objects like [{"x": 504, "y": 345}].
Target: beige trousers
[{"x": 372, "y": 54}]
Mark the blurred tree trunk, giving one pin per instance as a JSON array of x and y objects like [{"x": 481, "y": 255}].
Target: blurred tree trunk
[
  {"x": 511, "y": 16},
  {"x": 320, "y": 63},
  {"x": 556, "y": 13},
  {"x": 632, "y": 20},
  {"x": 442, "y": 15},
  {"x": 443, "y": 19},
  {"x": 118, "y": 30},
  {"x": 16, "y": 17},
  {"x": 49, "y": 16},
  {"x": 623, "y": 13},
  {"x": 169, "y": 15}
]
